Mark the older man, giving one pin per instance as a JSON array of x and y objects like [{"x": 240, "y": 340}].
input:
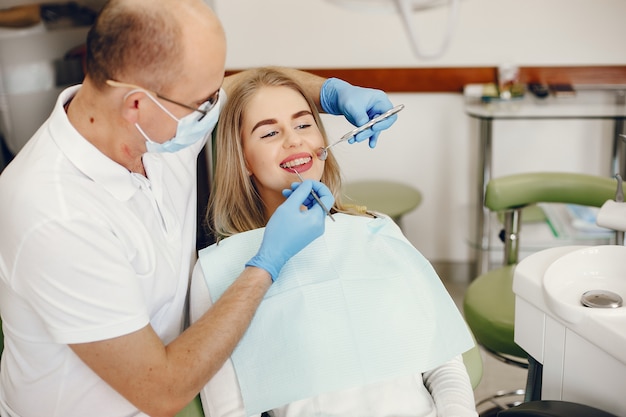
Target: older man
[{"x": 98, "y": 216}]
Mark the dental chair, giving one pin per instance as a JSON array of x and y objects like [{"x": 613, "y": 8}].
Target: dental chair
[{"x": 489, "y": 303}]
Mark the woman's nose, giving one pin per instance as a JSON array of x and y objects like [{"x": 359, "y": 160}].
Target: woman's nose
[{"x": 292, "y": 139}]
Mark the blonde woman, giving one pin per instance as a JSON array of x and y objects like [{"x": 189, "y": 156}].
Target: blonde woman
[{"x": 288, "y": 359}]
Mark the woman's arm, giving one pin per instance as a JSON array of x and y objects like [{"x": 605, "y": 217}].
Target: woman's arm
[{"x": 450, "y": 387}]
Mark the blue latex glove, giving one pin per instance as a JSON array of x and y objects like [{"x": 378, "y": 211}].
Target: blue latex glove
[
  {"x": 290, "y": 228},
  {"x": 359, "y": 105}
]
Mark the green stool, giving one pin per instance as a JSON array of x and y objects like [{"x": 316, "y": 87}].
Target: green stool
[{"x": 388, "y": 197}]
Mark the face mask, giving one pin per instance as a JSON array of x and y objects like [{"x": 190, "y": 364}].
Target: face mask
[{"x": 190, "y": 130}]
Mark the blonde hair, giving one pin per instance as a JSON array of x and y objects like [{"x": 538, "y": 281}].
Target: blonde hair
[{"x": 235, "y": 206}]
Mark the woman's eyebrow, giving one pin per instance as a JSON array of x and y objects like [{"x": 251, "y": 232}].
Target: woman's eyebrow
[
  {"x": 302, "y": 113},
  {"x": 263, "y": 123},
  {"x": 274, "y": 121}
]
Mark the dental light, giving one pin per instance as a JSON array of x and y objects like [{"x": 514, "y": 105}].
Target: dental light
[{"x": 406, "y": 9}]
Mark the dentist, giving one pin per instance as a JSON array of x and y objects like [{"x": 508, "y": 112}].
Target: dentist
[{"x": 98, "y": 218}]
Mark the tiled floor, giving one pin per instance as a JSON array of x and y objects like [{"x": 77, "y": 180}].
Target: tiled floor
[{"x": 497, "y": 376}]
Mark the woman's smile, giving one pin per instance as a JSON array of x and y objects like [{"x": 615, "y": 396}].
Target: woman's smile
[{"x": 300, "y": 162}]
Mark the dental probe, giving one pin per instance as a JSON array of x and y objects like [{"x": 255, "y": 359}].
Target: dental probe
[{"x": 315, "y": 196}]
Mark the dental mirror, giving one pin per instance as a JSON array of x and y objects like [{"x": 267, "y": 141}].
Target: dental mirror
[{"x": 322, "y": 153}]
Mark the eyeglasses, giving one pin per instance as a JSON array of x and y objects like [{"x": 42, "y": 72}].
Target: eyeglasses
[{"x": 203, "y": 109}]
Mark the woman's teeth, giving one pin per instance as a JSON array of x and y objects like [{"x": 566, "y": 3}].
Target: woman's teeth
[{"x": 295, "y": 162}]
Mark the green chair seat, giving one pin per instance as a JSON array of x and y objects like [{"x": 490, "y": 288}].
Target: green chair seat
[
  {"x": 388, "y": 197},
  {"x": 489, "y": 308}
]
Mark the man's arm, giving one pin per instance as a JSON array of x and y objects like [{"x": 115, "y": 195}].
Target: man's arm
[{"x": 160, "y": 380}]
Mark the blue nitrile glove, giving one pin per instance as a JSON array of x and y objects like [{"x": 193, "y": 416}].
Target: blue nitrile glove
[
  {"x": 310, "y": 202},
  {"x": 290, "y": 228},
  {"x": 359, "y": 105}
]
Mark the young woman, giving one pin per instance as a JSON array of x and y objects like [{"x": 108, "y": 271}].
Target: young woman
[{"x": 358, "y": 324}]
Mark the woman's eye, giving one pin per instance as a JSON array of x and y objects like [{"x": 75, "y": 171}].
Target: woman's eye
[
  {"x": 303, "y": 126},
  {"x": 270, "y": 134}
]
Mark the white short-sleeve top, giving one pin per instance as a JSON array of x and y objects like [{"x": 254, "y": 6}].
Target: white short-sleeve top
[{"x": 88, "y": 251}]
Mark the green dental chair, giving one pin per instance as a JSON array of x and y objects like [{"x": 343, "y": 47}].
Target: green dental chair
[{"x": 489, "y": 303}]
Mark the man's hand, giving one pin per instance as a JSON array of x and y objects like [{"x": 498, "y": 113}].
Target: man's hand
[{"x": 290, "y": 228}]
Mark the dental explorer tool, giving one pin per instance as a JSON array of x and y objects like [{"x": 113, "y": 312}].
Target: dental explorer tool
[
  {"x": 315, "y": 196},
  {"x": 322, "y": 153}
]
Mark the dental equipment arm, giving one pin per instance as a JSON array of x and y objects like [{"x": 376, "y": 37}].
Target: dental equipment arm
[
  {"x": 290, "y": 229},
  {"x": 612, "y": 214}
]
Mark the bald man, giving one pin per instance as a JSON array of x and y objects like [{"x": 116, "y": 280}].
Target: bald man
[{"x": 98, "y": 219}]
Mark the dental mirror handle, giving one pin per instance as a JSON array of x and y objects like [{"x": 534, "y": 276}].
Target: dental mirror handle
[
  {"x": 322, "y": 153},
  {"x": 369, "y": 124}
]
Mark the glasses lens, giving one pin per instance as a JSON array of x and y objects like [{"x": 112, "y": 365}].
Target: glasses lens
[
  {"x": 212, "y": 101},
  {"x": 208, "y": 105}
]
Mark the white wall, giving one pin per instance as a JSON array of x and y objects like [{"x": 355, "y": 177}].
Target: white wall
[
  {"x": 318, "y": 33},
  {"x": 434, "y": 144}
]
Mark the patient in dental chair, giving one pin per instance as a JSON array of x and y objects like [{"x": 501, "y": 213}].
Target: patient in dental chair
[{"x": 358, "y": 324}]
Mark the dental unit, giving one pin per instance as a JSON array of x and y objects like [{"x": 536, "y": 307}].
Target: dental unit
[{"x": 570, "y": 317}]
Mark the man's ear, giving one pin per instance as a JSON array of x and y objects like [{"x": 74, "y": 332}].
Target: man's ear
[{"x": 131, "y": 105}]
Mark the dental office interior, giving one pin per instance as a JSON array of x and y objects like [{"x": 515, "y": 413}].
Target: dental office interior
[{"x": 482, "y": 85}]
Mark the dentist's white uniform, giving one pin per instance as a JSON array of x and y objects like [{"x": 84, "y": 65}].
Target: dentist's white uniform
[{"x": 96, "y": 252}]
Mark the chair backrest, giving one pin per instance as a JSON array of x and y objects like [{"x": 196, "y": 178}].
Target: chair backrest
[
  {"x": 520, "y": 190},
  {"x": 513, "y": 192}
]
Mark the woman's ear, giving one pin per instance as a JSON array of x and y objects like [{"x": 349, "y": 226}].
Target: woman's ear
[{"x": 248, "y": 173}]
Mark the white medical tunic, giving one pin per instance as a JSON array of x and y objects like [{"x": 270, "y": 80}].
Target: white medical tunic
[{"x": 88, "y": 251}]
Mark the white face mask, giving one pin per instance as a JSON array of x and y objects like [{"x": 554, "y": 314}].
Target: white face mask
[{"x": 191, "y": 128}]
